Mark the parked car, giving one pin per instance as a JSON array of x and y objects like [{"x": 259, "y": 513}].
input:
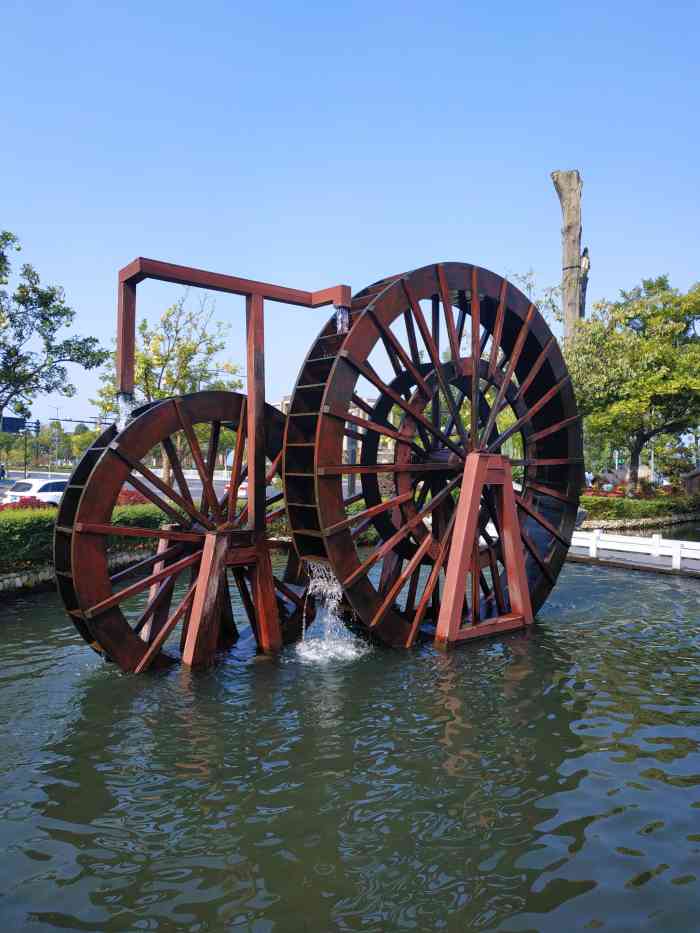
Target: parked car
[{"x": 45, "y": 490}]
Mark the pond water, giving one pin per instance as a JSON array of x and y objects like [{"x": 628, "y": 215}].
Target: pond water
[{"x": 548, "y": 781}]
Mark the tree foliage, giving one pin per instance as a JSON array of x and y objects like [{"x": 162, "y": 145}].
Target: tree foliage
[
  {"x": 636, "y": 366},
  {"x": 33, "y": 353},
  {"x": 174, "y": 357}
]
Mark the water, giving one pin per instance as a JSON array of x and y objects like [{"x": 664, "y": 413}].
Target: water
[
  {"x": 546, "y": 782},
  {"x": 329, "y": 640},
  {"x": 688, "y": 531}
]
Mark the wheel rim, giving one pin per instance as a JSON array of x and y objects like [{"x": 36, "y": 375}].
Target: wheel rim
[
  {"x": 191, "y": 424},
  {"x": 522, "y": 398}
]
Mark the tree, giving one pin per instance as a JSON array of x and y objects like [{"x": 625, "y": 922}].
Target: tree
[
  {"x": 80, "y": 428},
  {"x": 33, "y": 354},
  {"x": 636, "y": 366},
  {"x": 176, "y": 356}
]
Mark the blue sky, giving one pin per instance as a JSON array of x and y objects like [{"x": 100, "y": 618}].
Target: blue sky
[{"x": 310, "y": 144}]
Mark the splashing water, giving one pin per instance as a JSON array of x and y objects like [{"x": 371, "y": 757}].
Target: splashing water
[{"x": 328, "y": 639}]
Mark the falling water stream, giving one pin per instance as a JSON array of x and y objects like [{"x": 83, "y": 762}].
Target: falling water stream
[{"x": 328, "y": 639}]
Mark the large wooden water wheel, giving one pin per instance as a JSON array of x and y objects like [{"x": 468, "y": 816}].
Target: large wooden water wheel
[
  {"x": 186, "y": 429},
  {"x": 436, "y": 363}
]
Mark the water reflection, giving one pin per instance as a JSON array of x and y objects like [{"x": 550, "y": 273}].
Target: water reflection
[{"x": 548, "y": 781}]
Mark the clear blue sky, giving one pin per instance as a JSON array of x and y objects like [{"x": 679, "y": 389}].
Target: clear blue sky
[{"x": 314, "y": 143}]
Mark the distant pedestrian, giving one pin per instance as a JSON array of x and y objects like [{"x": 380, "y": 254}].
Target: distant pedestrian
[{"x": 3, "y": 471}]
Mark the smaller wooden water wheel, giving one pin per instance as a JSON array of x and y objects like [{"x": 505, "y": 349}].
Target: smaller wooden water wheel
[
  {"x": 438, "y": 363},
  {"x": 183, "y": 429}
]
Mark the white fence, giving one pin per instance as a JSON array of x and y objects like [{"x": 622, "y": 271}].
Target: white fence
[{"x": 657, "y": 550}]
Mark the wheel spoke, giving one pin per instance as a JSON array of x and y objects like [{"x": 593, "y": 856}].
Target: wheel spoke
[
  {"x": 413, "y": 564},
  {"x": 498, "y": 328},
  {"x": 545, "y": 432},
  {"x": 431, "y": 582},
  {"x": 546, "y": 461},
  {"x": 496, "y": 580},
  {"x": 547, "y": 397},
  {"x": 536, "y": 366},
  {"x": 434, "y": 354},
  {"x": 335, "y": 411},
  {"x": 401, "y": 354},
  {"x": 156, "y": 481},
  {"x": 449, "y": 314},
  {"x": 369, "y": 513},
  {"x": 406, "y": 529},
  {"x": 148, "y": 493},
  {"x": 212, "y": 451},
  {"x": 512, "y": 363},
  {"x": 196, "y": 451},
  {"x": 541, "y": 520},
  {"x": 553, "y": 493},
  {"x": 366, "y": 370},
  {"x": 411, "y": 334},
  {"x": 162, "y": 635},
  {"x": 176, "y": 466},
  {"x": 362, "y": 405},
  {"x": 288, "y": 593},
  {"x": 268, "y": 479},
  {"x": 129, "y": 531},
  {"x": 141, "y": 585},
  {"x": 529, "y": 544},
  {"x": 146, "y": 563},
  {"x": 246, "y": 599},
  {"x": 237, "y": 465},
  {"x": 341, "y": 468},
  {"x": 476, "y": 359}
]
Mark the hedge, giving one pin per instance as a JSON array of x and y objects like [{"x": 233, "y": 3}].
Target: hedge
[
  {"x": 611, "y": 508},
  {"x": 26, "y": 535}
]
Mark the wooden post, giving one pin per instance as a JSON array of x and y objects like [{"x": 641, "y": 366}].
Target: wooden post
[
  {"x": 264, "y": 598},
  {"x": 568, "y": 186},
  {"x": 202, "y": 637}
]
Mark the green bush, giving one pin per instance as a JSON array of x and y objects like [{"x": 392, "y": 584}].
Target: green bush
[
  {"x": 26, "y": 535},
  {"x": 611, "y": 508}
]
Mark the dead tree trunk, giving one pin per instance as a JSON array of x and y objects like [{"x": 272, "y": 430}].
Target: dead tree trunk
[{"x": 568, "y": 186}]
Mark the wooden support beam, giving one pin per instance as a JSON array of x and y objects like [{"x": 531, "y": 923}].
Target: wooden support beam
[
  {"x": 481, "y": 469},
  {"x": 202, "y": 637}
]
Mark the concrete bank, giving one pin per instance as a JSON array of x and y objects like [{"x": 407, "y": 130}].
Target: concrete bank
[{"x": 622, "y": 524}]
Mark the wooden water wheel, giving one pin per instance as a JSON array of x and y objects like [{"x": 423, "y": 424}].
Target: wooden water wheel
[
  {"x": 183, "y": 429},
  {"x": 437, "y": 363}
]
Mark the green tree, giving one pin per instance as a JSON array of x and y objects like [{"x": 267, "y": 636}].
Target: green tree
[
  {"x": 33, "y": 353},
  {"x": 81, "y": 440},
  {"x": 180, "y": 354},
  {"x": 174, "y": 357},
  {"x": 636, "y": 367}
]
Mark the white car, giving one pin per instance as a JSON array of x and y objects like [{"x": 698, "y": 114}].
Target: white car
[{"x": 46, "y": 490}]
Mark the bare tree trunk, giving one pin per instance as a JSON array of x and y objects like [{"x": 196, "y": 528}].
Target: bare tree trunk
[
  {"x": 568, "y": 186},
  {"x": 635, "y": 456}
]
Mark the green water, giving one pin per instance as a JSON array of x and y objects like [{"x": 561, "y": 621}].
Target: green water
[{"x": 545, "y": 782}]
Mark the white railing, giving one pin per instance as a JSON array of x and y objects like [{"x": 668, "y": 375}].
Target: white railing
[{"x": 654, "y": 546}]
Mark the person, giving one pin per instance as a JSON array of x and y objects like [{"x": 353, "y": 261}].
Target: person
[{"x": 3, "y": 471}]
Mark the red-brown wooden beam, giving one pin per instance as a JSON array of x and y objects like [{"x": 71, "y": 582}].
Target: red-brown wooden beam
[{"x": 141, "y": 269}]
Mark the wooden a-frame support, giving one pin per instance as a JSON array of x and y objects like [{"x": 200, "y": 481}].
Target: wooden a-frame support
[{"x": 481, "y": 469}]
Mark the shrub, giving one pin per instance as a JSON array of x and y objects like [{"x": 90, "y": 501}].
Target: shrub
[
  {"x": 26, "y": 535},
  {"x": 614, "y": 508}
]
